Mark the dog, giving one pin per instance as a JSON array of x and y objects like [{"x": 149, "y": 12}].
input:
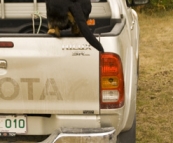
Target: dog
[{"x": 64, "y": 14}]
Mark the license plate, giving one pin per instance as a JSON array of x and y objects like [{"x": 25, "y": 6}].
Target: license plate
[{"x": 13, "y": 124}]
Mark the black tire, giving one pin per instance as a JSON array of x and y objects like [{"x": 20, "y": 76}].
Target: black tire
[
  {"x": 128, "y": 136},
  {"x": 129, "y": 2},
  {"x": 23, "y": 138},
  {"x": 29, "y": 29},
  {"x": 138, "y": 67}
]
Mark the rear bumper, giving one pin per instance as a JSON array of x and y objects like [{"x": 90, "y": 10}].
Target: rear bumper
[{"x": 82, "y": 135}]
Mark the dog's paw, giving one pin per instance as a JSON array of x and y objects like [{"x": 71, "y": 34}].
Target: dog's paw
[{"x": 51, "y": 31}]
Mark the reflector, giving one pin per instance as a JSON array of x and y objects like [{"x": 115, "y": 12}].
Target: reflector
[
  {"x": 109, "y": 82},
  {"x": 91, "y": 22},
  {"x": 6, "y": 44}
]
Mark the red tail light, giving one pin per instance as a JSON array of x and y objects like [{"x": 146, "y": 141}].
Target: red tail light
[
  {"x": 6, "y": 44},
  {"x": 111, "y": 81}
]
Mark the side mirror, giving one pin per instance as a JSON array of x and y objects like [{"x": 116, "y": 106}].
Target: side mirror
[{"x": 140, "y": 2}]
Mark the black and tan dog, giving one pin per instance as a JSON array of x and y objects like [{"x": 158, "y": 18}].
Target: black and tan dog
[{"x": 63, "y": 14}]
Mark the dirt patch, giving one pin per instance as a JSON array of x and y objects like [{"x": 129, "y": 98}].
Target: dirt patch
[{"x": 155, "y": 87}]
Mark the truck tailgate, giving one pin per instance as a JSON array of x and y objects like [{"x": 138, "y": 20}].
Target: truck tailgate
[{"x": 49, "y": 75}]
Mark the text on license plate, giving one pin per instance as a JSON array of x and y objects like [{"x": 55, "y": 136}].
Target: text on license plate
[{"x": 11, "y": 123}]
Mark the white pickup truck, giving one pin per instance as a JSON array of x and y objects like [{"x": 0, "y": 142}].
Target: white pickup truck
[{"x": 62, "y": 90}]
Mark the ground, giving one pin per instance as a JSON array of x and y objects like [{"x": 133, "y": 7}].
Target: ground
[{"x": 155, "y": 85}]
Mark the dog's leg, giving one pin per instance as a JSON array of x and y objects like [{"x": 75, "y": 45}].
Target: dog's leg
[
  {"x": 74, "y": 29},
  {"x": 57, "y": 32},
  {"x": 71, "y": 18},
  {"x": 53, "y": 31}
]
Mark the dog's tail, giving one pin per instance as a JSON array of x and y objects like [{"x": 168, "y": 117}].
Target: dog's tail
[{"x": 79, "y": 17}]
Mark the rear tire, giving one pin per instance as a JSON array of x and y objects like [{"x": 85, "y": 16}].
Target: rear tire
[
  {"x": 128, "y": 136},
  {"x": 129, "y": 2},
  {"x": 23, "y": 138},
  {"x": 29, "y": 29}
]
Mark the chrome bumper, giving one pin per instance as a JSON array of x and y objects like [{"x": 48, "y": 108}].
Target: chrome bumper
[{"x": 82, "y": 135}]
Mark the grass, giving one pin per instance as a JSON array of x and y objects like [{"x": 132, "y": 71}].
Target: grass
[{"x": 155, "y": 86}]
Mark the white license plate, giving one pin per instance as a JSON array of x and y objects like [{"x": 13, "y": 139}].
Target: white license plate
[{"x": 15, "y": 124}]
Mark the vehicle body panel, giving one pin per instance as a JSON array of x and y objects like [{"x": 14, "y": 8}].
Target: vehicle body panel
[
  {"x": 44, "y": 76},
  {"x": 60, "y": 77}
]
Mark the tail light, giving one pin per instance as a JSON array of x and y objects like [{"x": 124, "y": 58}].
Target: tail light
[
  {"x": 111, "y": 81},
  {"x": 6, "y": 44}
]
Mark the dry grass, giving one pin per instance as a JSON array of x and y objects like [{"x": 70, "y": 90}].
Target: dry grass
[{"x": 155, "y": 88}]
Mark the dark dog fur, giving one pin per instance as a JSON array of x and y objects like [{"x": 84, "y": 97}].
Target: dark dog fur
[{"x": 64, "y": 14}]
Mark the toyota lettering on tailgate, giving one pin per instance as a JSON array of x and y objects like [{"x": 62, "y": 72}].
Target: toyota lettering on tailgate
[{"x": 49, "y": 88}]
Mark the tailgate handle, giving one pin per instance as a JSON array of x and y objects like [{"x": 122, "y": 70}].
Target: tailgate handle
[{"x": 3, "y": 64}]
